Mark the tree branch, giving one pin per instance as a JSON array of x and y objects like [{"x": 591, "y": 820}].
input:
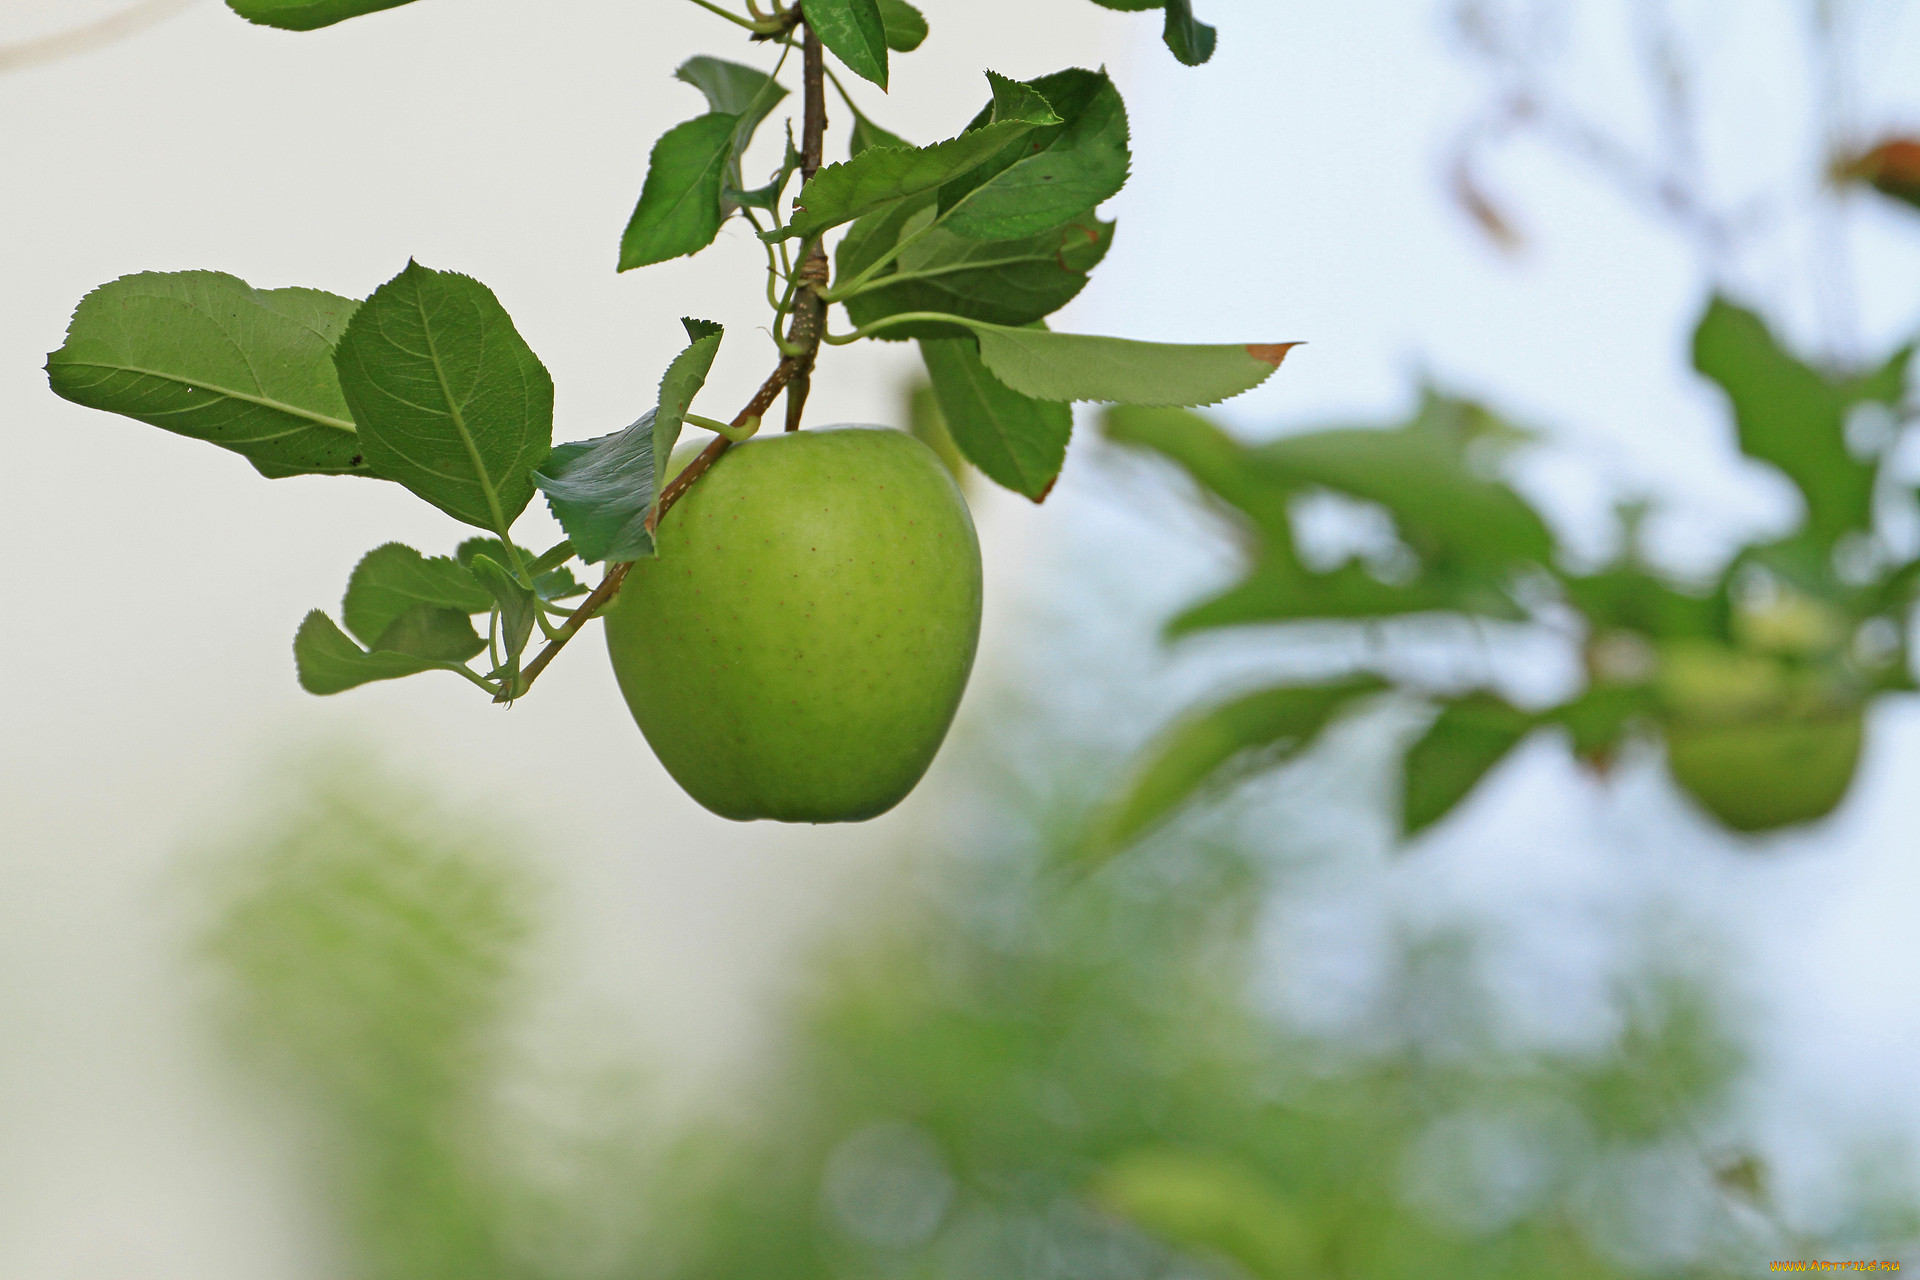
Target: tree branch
[
  {"x": 809, "y": 309},
  {"x": 792, "y": 375}
]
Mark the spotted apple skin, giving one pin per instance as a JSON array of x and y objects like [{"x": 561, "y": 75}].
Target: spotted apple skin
[{"x": 797, "y": 648}]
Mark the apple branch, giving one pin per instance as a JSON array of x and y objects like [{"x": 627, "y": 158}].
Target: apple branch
[{"x": 793, "y": 374}]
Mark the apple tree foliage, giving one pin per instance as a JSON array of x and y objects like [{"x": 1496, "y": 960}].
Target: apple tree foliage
[
  {"x": 964, "y": 245},
  {"x": 1756, "y": 682}
]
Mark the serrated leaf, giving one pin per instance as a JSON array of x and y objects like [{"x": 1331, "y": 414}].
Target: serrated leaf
[
  {"x": 491, "y": 547},
  {"x": 876, "y": 178},
  {"x": 1794, "y": 416},
  {"x": 682, "y": 382},
  {"x": 1077, "y": 366},
  {"x": 905, "y": 25},
  {"x": 855, "y": 32},
  {"x": 451, "y": 401},
  {"x": 518, "y": 606},
  {"x": 1057, "y": 174},
  {"x": 681, "y": 205},
  {"x": 747, "y": 93},
  {"x": 1469, "y": 737},
  {"x": 600, "y": 491},
  {"x": 1009, "y": 282},
  {"x": 768, "y": 197},
  {"x": 1016, "y": 441},
  {"x": 558, "y": 584},
  {"x": 424, "y": 631},
  {"x": 1254, "y": 732},
  {"x": 393, "y": 578},
  {"x": 1191, "y": 40},
  {"x": 205, "y": 355},
  {"x": 866, "y": 135},
  {"x": 329, "y": 662},
  {"x": 307, "y": 15}
]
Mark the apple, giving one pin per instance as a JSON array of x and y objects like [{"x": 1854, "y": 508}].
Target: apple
[
  {"x": 1762, "y": 774},
  {"x": 798, "y": 645}
]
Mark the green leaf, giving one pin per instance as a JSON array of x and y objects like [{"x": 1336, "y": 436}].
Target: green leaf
[
  {"x": 1190, "y": 40},
  {"x": 1016, "y": 441},
  {"x": 1421, "y": 474},
  {"x": 393, "y": 578},
  {"x": 1009, "y": 282},
  {"x": 1052, "y": 177},
  {"x": 1077, "y": 366},
  {"x": 1445, "y": 512},
  {"x": 1470, "y": 535},
  {"x": 205, "y": 355},
  {"x": 451, "y": 401},
  {"x": 329, "y": 662},
  {"x": 876, "y": 178},
  {"x": 855, "y": 32},
  {"x": 1279, "y": 589},
  {"x": 872, "y": 237},
  {"x": 732, "y": 88},
  {"x": 768, "y": 197},
  {"x": 1794, "y": 416},
  {"x": 906, "y": 26},
  {"x": 1470, "y": 736},
  {"x": 491, "y": 547},
  {"x": 681, "y": 206},
  {"x": 682, "y": 382},
  {"x": 928, "y": 425},
  {"x": 1254, "y": 732},
  {"x": 423, "y": 631},
  {"x": 1599, "y": 719},
  {"x": 307, "y": 15},
  {"x": 866, "y": 135},
  {"x": 736, "y": 90},
  {"x": 518, "y": 606},
  {"x": 600, "y": 491},
  {"x": 558, "y": 584}
]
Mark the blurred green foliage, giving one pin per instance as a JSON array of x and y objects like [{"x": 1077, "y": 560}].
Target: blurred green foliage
[
  {"x": 365, "y": 947},
  {"x": 1755, "y": 681},
  {"x": 1011, "y": 1075}
]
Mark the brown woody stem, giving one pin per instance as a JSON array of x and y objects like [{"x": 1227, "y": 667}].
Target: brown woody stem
[{"x": 609, "y": 586}]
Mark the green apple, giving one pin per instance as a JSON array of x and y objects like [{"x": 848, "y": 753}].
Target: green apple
[
  {"x": 1762, "y": 774},
  {"x": 798, "y": 646}
]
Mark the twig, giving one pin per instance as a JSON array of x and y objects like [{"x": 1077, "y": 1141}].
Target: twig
[
  {"x": 91, "y": 36},
  {"x": 791, "y": 375},
  {"x": 609, "y": 586},
  {"x": 809, "y": 310}
]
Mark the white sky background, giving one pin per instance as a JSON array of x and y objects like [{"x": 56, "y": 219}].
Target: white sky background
[{"x": 156, "y": 582}]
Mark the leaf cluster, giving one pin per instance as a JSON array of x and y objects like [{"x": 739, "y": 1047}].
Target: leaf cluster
[
  {"x": 966, "y": 245},
  {"x": 1756, "y": 680}
]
